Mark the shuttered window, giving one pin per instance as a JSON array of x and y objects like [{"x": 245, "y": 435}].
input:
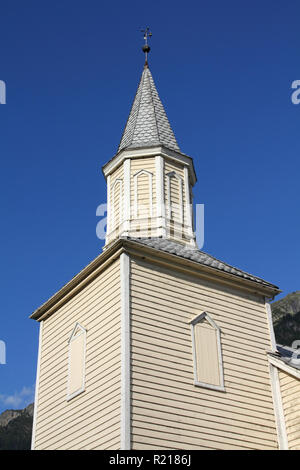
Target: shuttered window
[
  {"x": 207, "y": 353},
  {"x": 76, "y": 367}
]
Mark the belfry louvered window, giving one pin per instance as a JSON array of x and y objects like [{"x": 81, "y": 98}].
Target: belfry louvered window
[
  {"x": 143, "y": 197},
  {"x": 175, "y": 197},
  {"x": 207, "y": 352}
]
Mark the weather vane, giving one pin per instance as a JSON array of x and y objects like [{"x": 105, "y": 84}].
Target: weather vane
[{"x": 146, "y": 48}]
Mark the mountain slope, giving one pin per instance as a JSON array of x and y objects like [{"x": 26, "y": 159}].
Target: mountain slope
[
  {"x": 16, "y": 429},
  {"x": 286, "y": 318}
]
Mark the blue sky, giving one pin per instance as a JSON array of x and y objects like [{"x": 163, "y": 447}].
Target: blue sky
[{"x": 223, "y": 71}]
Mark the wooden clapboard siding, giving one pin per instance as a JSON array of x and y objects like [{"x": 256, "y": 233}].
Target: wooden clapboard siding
[
  {"x": 168, "y": 410},
  {"x": 290, "y": 394},
  {"x": 92, "y": 419}
]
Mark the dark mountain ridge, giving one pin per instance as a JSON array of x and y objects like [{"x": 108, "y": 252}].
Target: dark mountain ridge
[
  {"x": 16, "y": 429},
  {"x": 286, "y": 318}
]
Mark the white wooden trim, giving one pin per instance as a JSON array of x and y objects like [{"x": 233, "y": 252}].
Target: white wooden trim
[
  {"x": 278, "y": 409},
  {"x": 82, "y": 388},
  {"x": 135, "y": 179},
  {"x": 197, "y": 319},
  {"x": 125, "y": 353},
  {"x": 77, "y": 326},
  {"x": 36, "y": 393},
  {"x": 275, "y": 385},
  {"x": 160, "y": 198},
  {"x": 188, "y": 207},
  {"x": 201, "y": 316},
  {"x": 285, "y": 367},
  {"x": 220, "y": 388},
  {"x": 187, "y": 200},
  {"x": 126, "y": 202},
  {"x": 108, "y": 207},
  {"x": 270, "y": 323},
  {"x": 110, "y": 166}
]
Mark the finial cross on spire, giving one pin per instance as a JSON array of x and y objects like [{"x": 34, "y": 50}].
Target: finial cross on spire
[{"x": 146, "y": 48}]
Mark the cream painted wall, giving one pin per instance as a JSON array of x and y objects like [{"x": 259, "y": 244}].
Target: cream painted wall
[
  {"x": 76, "y": 424},
  {"x": 168, "y": 410},
  {"x": 290, "y": 395}
]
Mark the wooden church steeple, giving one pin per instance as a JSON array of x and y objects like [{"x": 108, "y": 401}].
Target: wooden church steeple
[{"x": 149, "y": 180}]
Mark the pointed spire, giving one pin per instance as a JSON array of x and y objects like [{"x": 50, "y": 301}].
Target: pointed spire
[{"x": 147, "y": 124}]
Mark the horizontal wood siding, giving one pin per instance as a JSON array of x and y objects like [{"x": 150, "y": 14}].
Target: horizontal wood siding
[
  {"x": 91, "y": 420},
  {"x": 168, "y": 410},
  {"x": 290, "y": 394}
]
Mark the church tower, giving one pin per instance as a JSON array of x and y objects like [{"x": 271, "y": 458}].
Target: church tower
[
  {"x": 156, "y": 344},
  {"x": 149, "y": 180}
]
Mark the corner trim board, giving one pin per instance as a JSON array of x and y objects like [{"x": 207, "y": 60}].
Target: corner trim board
[
  {"x": 125, "y": 353},
  {"x": 270, "y": 323},
  {"x": 126, "y": 202},
  {"x": 278, "y": 409},
  {"x": 36, "y": 394}
]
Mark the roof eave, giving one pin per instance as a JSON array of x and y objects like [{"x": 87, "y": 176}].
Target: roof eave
[
  {"x": 268, "y": 291},
  {"x": 114, "y": 250}
]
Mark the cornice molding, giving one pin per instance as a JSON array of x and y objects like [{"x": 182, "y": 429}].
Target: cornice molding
[{"x": 147, "y": 152}]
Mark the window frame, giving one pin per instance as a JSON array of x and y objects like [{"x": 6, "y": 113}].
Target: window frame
[
  {"x": 72, "y": 336},
  {"x": 198, "y": 319}
]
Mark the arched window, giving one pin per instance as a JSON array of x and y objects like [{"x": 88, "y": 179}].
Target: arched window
[
  {"x": 174, "y": 197},
  {"x": 143, "y": 197},
  {"x": 76, "y": 366},
  {"x": 207, "y": 352}
]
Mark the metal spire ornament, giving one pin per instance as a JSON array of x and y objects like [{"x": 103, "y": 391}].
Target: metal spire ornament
[{"x": 146, "y": 48}]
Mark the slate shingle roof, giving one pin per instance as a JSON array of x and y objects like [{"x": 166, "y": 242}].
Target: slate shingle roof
[
  {"x": 197, "y": 256},
  {"x": 147, "y": 124}
]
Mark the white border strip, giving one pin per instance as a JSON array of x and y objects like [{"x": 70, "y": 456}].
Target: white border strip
[
  {"x": 188, "y": 206},
  {"x": 36, "y": 394},
  {"x": 108, "y": 210},
  {"x": 270, "y": 323},
  {"x": 278, "y": 409},
  {"x": 125, "y": 354},
  {"x": 275, "y": 385},
  {"x": 126, "y": 202}
]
